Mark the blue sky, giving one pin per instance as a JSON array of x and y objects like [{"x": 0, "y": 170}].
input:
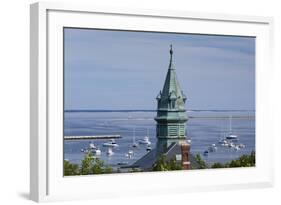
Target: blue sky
[{"x": 126, "y": 70}]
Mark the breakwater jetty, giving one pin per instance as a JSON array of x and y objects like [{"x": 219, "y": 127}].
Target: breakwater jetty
[{"x": 93, "y": 137}]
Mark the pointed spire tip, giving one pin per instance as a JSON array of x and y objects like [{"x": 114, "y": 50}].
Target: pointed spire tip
[{"x": 171, "y": 49}]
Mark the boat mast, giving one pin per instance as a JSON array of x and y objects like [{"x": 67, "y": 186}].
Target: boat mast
[
  {"x": 230, "y": 124},
  {"x": 134, "y": 135}
]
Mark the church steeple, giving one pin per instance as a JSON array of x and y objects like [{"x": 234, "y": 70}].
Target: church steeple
[{"x": 171, "y": 114}]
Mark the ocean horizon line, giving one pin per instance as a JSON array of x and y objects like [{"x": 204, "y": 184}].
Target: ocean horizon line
[{"x": 147, "y": 110}]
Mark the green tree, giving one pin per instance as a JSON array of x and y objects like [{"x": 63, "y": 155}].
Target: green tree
[
  {"x": 244, "y": 161},
  {"x": 70, "y": 169},
  {"x": 108, "y": 170},
  {"x": 218, "y": 165},
  {"x": 162, "y": 164},
  {"x": 92, "y": 165},
  {"x": 202, "y": 164},
  {"x": 174, "y": 165},
  {"x": 87, "y": 164},
  {"x": 98, "y": 166}
]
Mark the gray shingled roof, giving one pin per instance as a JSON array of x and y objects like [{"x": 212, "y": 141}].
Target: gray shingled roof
[{"x": 147, "y": 161}]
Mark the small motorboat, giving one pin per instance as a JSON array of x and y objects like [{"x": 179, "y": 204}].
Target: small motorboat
[
  {"x": 148, "y": 148},
  {"x": 206, "y": 153},
  {"x": 96, "y": 152},
  {"x": 241, "y": 146},
  {"x": 224, "y": 143},
  {"x": 145, "y": 140},
  {"x": 237, "y": 148},
  {"x": 84, "y": 150},
  {"x": 111, "y": 143},
  {"x": 92, "y": 145},
  {"x": 231, "y": 145},
  {"x": 188, "y": 141},
  {"x": 232, "y": 137},
  {"x": 212, "y": 148}
]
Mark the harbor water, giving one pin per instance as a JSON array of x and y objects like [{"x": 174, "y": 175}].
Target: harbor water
[{"x": 204, "y": 128}]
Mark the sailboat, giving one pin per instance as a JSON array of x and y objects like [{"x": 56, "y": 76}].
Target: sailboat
[
  {"x": 134, "y": 140},
  {"x": 109, "y": 151},
  {"x": 130, "y": 154},
  {"x": 222, "y": 141},
  {"x": 231, "y": 136},
  {"x": 145, "y": 140}
]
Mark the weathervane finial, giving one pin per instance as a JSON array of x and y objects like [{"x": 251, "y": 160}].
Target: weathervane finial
[{"x": 171, "y": 57}]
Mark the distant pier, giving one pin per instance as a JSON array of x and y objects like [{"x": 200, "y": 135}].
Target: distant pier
[{"x": 93, "y": 137}]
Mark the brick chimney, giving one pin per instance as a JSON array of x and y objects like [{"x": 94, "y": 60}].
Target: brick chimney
[{"x": 185, "y": 152}]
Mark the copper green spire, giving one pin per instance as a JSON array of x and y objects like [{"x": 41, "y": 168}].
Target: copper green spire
[
  {"x": 171, "y": 89},
  {"x": 171, "y": 115}
]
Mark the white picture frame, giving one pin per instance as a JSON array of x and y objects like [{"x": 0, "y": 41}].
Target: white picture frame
[{"x": 46, "y": 178}]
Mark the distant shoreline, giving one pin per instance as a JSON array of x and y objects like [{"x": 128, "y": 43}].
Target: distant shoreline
[
  {"x": 81, "y": 110},
  {"x": 222, "y": 117}
]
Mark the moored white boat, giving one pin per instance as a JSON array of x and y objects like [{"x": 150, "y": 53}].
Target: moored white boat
[
  {"x": 145, "y": 140},
  {"x": 231, "y": 136},
  {"x": 109, "y": 151},
  {"x": 130, "y": 154},
  {"x": 97, "y": 152},
  {"x": 231, "y": 145},
  {"x": 92, "y": 145},
  {"x": 237, "y": 148},
  {"x": 241, "y": 146},
  {"x": 111, "y": 143},
  {"x": 212, "y": 148},
  {"x": 148, "y": 148}
]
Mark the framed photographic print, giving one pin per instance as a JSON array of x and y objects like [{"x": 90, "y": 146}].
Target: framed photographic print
[{"x": 147, "y": 101}]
